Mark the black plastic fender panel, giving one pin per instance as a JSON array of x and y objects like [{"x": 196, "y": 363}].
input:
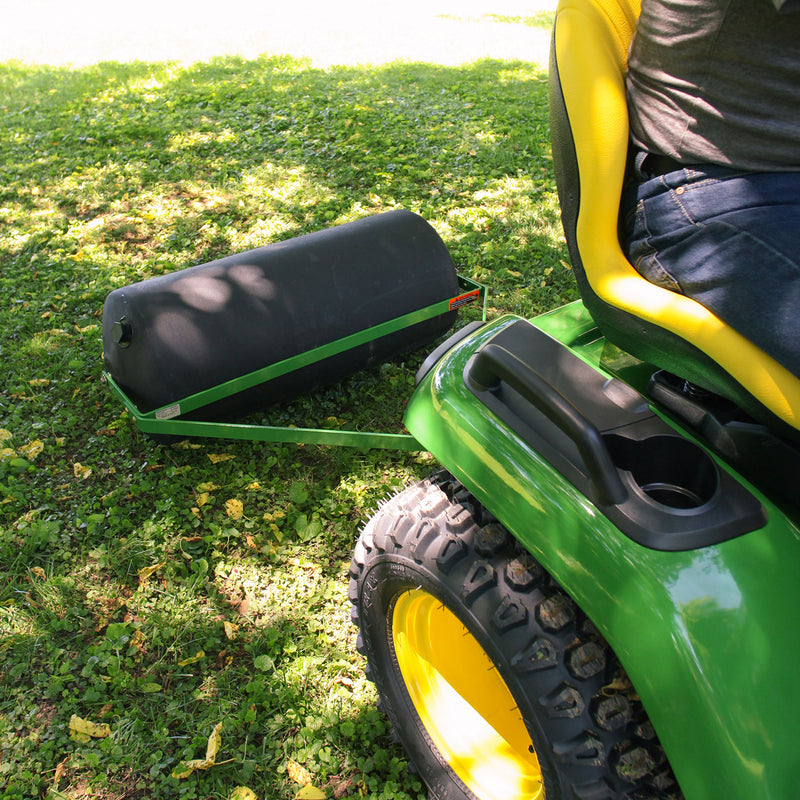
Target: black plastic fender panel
[{"x": 660, "y": 488}]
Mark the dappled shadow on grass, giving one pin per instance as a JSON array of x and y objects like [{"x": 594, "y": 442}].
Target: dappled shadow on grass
[
  {"x": 141, "y": 168},
  {"x": 168, "y": 614},
  {"x": 257, "y": 650},
  {"x": 116, "y": 173},
  {"x": 182, "y": 616}
]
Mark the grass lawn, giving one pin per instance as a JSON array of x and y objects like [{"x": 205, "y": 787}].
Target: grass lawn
[{"x": 176, "y": 596}]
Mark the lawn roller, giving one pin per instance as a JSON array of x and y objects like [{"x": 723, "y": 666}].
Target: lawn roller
[
  {"x": 188, "y": 351},
  {"x": 592, "y": 598}
]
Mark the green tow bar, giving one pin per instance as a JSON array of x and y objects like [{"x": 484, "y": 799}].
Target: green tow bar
[{"x": 165, "y": 421}]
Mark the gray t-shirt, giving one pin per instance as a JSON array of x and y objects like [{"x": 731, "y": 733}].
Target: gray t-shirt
[{"x": 718, "y": 81}]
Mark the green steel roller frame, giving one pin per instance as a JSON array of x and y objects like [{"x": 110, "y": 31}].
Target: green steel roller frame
[{"x": 166, "y": 420}]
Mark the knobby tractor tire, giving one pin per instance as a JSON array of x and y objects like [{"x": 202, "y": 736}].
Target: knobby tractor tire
[{"x": 496, "y": 684}]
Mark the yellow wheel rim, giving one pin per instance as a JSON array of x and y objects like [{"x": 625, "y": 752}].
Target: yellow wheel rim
[{"x": 463, "y": 702}]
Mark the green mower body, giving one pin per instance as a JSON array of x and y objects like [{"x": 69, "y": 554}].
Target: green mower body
[{"x": 687, "y": 570}]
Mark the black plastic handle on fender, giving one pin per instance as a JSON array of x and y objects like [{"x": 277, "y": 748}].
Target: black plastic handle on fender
[{"x": 494, "y": 363}]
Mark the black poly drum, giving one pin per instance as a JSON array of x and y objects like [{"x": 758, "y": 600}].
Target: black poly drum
[{"x": 171, "y": 336}]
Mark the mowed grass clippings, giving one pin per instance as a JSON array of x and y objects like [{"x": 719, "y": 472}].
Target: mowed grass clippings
[{"x": 174, "y": 618}]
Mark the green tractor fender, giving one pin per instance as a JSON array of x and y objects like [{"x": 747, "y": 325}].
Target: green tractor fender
[{"x": 703, "y": 632}]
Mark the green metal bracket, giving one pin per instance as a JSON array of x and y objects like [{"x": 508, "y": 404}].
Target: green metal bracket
[{"x": 165, "y": 421}]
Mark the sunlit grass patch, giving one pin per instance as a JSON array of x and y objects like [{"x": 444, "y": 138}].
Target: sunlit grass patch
[{"x": 541, "y": 19}]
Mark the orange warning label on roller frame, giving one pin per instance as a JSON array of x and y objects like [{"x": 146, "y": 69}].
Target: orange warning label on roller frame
[{"x": 464, "y": 299}]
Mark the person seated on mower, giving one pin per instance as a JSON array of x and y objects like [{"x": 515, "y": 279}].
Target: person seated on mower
[{"x": 711, "y": 206}]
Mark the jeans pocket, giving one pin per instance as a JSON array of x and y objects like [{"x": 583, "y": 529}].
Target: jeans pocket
[{"x": 644, "y": 255}]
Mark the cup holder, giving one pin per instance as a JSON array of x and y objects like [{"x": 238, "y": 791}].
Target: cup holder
[{"x": 670, "y": 470}]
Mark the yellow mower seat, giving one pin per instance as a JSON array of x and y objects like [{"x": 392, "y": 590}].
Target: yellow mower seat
[{"x": 589, "y": 123}]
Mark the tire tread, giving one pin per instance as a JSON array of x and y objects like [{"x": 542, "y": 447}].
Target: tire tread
[{"x": 599, "y": 741}]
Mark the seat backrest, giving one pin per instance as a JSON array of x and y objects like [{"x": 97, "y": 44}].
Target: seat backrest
[{"x": 589, "y": 130}]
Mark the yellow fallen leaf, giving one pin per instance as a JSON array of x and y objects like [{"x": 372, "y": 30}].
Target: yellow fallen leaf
[
  {"x": 32, "y": 449},
  {"x": 80, "y": 471},
  {"x": 7, "y": 452},
  {"x": 310, "y": 793},
  {"x": 242, "y": 793},
  {"x": 5, "y": 434},
  {"x": 39, "y": 382},
  {"x": 252, "y": 487},
  {"x": 230, "y": 630},
  {"x": 198, "y": 656},
  {"x": 137, "y": 640},
  {"x": 146, "y": 572},
  {"x": 59, "y": 771},
  {"x": 186, "y": 444},
  {"x": 214, "y": 743},
  {"x": 186, "y": 768},
  {"x": 38, "y": 572},
  {"x": 298, "y": 773},
  {"x": 216, "y": 458},
  {"x": 82, "y": 729},
  {"x": 202, "y": 499},
  {"x": 234, "y": 508},
  {"x": 207, "y": 487}
]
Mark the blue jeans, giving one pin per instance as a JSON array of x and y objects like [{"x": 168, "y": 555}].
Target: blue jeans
[{"x": 730, "y": 240}]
